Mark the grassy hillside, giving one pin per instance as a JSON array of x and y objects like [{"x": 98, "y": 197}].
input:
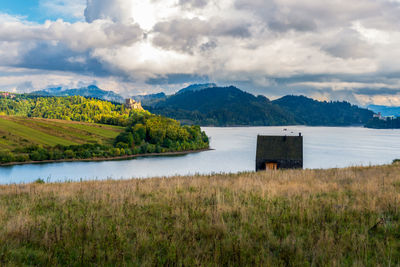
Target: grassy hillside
[
  {"x": 311, "y": 217},
  {"x": 21, "y": 131},
  {"x": 18, "y": 133}
]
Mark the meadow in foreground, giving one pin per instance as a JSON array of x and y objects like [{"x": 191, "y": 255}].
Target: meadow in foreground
[{"x": 298, "y": 217}]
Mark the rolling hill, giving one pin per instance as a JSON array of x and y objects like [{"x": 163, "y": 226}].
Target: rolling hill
[
  {"x": 221, "y": 106},
  {"x": 20, "y": 131},
  {"x": 20, "y": 135},
  {"x": 197, "y": 87},
  {"x": 311, "y": 112}
]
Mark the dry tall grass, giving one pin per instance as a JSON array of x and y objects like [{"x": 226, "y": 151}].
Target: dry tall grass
[{"x": 312, "y": 217}]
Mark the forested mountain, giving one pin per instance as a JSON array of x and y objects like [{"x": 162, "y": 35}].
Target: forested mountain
[
  {"x": 91, "y": 91},
  {"x": 229, "y": 106},
  {"x": 222, "y": 106},
  {"x": 308, "y": 111}
]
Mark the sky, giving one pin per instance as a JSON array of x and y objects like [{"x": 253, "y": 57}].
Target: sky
[{"x": 328, "y": 50}]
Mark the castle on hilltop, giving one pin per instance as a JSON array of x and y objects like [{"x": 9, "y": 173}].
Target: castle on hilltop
[
  {"x": 132, "y": 104},
  {"x": 7, "y": 95}
]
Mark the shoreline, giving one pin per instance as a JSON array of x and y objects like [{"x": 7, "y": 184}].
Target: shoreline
[{"x": 126, "y": 157}]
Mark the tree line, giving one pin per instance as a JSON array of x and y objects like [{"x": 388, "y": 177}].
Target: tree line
[
  {"x": 388, "y": 123},
  {"x": 73, "y": 108}
]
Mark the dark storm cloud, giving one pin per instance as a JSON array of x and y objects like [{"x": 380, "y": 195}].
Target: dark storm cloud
[
  {"x": 60, "y": 58},
  {"x": 293, "y": 23},
  {"x": 185, "y": 34},
  {"x": 347, "y": 44},
  {"x": 377, "y": 91},
  {"x": 115, "y": 10},
  {"x": 350, "y": 78},
  {"x": 277, "y": 18},
  {"x": 282, "y": 16},
  {"x": 177, "y": 79},
  {"x": 79, "y": 36}
]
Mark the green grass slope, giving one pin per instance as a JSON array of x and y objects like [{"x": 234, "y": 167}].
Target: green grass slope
[
  {"x": 17, "y": 133},
  {"x": 337, "y": 217}
]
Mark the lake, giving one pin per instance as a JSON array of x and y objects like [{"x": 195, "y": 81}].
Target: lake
[{"x": 234, "y": 151}]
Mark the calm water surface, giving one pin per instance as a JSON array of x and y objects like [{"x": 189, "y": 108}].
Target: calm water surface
[{"x": 234, "y": 152}]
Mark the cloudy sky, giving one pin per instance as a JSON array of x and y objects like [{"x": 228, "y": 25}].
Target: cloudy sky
[{"x": 336, "y": 50}]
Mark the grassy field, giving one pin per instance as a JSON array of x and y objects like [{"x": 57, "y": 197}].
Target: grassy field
[
  {"x": 282, "y": 218},
  {"x": 17, "y": 132}
]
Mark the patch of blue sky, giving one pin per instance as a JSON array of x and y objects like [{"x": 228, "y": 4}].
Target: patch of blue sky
[{"x": 42, "y": 10}]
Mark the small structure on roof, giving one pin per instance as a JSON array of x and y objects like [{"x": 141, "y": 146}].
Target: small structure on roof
[{"x": 279, "y": 152}]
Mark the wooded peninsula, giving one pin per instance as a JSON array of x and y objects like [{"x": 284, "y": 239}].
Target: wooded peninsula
[{"x": 56, "y": 128}]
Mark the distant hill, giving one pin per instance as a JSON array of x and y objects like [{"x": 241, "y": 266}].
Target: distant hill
[
  {"x": 385, "y": 110},
  {"x": 221, "y": 106},
  {"x": 90, "y": 91},
  {"x": 230, "y": 106},
  {"x": 308, "y": 111}
]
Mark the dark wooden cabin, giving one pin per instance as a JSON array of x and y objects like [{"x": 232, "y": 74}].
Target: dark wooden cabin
[{"x": 279, "y": 152}]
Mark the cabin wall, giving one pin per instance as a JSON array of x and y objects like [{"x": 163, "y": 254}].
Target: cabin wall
[{"x": 286, "y": 151}]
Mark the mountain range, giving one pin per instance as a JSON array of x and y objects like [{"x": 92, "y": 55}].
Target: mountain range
[
  {"x": 211, "y": 105},
  {"x": 230, "y": 106}
]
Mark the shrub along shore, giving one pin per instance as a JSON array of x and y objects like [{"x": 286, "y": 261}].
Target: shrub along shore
[
  {"x": 295, "y": 217},
  {"x": 124, "y": 157}
]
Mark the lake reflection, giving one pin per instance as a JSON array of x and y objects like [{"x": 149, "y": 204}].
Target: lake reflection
[{"x": 234, "y": 151}]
